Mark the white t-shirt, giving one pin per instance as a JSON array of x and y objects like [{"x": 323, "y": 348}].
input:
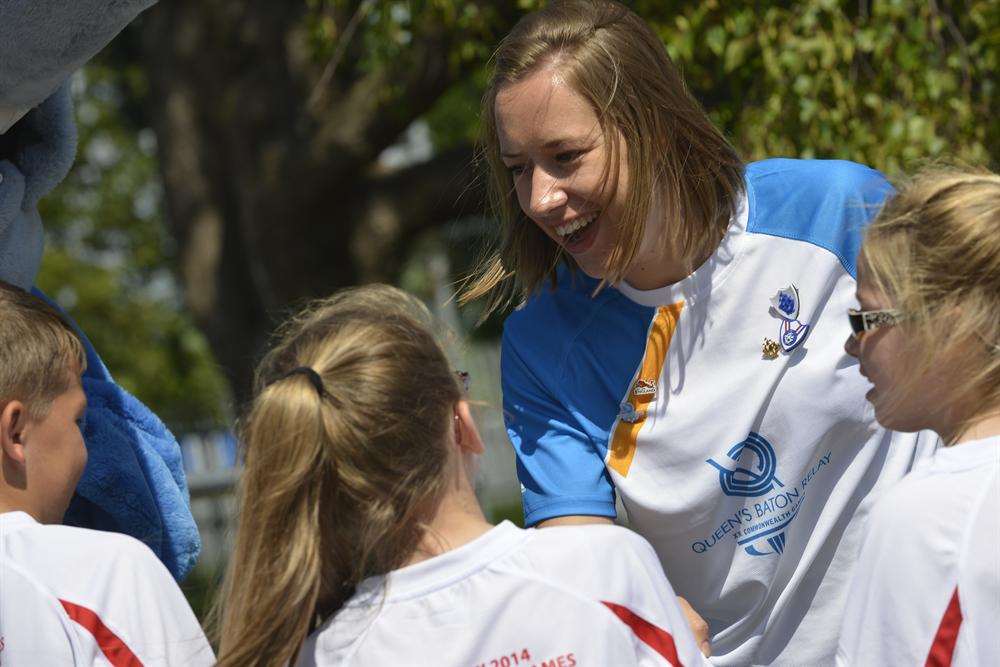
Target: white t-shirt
[
  {"x": 72, "y": 596},
  {"x": 750, "y": 470},
  {"x": 927, "y": 586},
  {"x": 556, "y": 597}
]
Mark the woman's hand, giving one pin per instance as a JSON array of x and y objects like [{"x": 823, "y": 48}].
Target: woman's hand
[{"x": 698, "y": 626}]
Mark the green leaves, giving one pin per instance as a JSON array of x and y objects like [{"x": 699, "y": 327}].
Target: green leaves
[{"x": 891, "y": 84}]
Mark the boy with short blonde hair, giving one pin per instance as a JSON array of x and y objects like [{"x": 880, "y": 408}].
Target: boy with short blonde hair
[{"x": 68, "y": 595}]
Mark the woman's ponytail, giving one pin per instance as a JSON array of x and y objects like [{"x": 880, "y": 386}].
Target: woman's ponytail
[{"x": 344, "y": 448}]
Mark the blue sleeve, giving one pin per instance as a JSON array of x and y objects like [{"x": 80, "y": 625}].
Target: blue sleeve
[{"x": 560, "y": 467}]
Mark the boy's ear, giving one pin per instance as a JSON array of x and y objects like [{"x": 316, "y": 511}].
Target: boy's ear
[
  {"x": 13, "y": 418},
  {"x": 466, "y": 435}
]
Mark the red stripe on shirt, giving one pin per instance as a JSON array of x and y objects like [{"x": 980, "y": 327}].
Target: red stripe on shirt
[
  {"x": 113, "y": 648},
  {"x": 947, "y": 635},
  {"x": 656, "y": 638}
]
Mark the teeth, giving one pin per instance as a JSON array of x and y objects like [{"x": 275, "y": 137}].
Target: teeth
[{"x": 579, "y": 223}]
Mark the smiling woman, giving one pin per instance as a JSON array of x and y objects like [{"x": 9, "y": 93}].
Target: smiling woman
[
  {"x": 551, "y": 142},
  {"x": 581, "y": 138},
  {"x": 638, "y": 374}
]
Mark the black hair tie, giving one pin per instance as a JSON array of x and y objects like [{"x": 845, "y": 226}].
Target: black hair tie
[{"x": 313, "y": 376}]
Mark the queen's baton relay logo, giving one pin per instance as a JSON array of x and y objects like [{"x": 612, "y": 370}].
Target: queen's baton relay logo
[
  {"x": 754, "y": 481},
  {"x": 749, "y": 469}
]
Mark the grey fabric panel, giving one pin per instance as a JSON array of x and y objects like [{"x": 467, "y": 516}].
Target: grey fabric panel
[{"x": 43, "y": 41}]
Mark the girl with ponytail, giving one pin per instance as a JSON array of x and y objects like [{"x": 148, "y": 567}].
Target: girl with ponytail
[{"x": 360, "y": 540}]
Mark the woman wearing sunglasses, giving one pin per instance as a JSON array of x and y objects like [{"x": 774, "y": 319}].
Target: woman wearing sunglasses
[{"x": 927, "y": 585}]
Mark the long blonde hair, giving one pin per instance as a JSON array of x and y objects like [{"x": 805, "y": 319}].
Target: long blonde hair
[
  {"x": 615, "y": 61},
  {"x": 339, "y": 478},
  {"x": 934, "y": 250}
]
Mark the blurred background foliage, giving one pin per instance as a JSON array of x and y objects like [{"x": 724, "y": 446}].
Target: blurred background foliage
[
  {"x": 108, "y": 260},
  {"x": 890, "y": 83}
]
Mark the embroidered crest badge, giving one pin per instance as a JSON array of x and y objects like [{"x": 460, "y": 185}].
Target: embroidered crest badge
[{"x": 785, "y": 304}]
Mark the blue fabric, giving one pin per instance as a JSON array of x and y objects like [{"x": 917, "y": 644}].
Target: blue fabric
[
  {"x": 559, "y": 414},
  {"x": 823, "y": 202},
  {"x": 36, "y": 154},
  {"x": 134, "y": 480}
]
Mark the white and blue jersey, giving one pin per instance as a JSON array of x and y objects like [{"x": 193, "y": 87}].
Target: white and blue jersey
[{"x": 723, "y": 412}]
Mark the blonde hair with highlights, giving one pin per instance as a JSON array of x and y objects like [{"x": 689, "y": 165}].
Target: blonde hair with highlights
[
  {"x": 40, "y": 353},
  {"x": 338, "y": 485},
  {"x": 673, "y": 152},
  {"x": 934, "y": 251}
]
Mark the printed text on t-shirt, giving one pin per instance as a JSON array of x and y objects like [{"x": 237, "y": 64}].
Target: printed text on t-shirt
[{"x": 523, "y": 657}]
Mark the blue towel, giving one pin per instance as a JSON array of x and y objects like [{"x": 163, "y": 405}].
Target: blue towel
[{"x": 134, "y": 480}]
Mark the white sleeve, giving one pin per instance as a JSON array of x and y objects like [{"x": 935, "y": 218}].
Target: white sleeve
[
  {"x": 648, "y": 607},
  {"x": 33, "y": 628},
  {"x": 140, "y": 603}
]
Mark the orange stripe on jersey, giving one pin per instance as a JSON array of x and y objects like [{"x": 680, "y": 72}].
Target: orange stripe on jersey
[
  {"x": 623, "y": 440},
  {"x": 652, "y": 636},
  {"x": 946, "y": 637},
  {"x": 113, "y": 648}
]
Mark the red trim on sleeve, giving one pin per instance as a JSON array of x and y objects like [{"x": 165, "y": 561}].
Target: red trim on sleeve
[
  {"x": 113, "y": 648},
  {"x": 947, "y": 635},
  {"x": 655, "y": 637}
]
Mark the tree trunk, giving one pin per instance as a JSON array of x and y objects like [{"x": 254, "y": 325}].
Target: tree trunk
[{"x": 270, "y": 177}]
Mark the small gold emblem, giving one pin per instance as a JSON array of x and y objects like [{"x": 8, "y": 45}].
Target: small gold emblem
[{"x": 770, "y": 349}]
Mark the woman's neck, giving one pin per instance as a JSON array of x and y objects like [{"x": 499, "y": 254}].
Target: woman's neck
[
  {"x": 980, "y": 429},
  {"x": 663, "y": 263},
  {"x": 457, "y": 521}
]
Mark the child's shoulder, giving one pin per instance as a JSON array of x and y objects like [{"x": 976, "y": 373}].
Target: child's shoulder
[
  {"x": 591, "y": 542},
  {"x": 940, "y": 499},
  {"x": 84, "y": 552},
  {"x": 90, "y": 539}
]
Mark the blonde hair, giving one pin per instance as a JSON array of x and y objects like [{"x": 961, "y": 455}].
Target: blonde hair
[
  {"x": 615, "y": 61},
  {"x": 339, "y": 479},
  {"x": 934, "y": 251},
  {"x": 40, "y": 353}
]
